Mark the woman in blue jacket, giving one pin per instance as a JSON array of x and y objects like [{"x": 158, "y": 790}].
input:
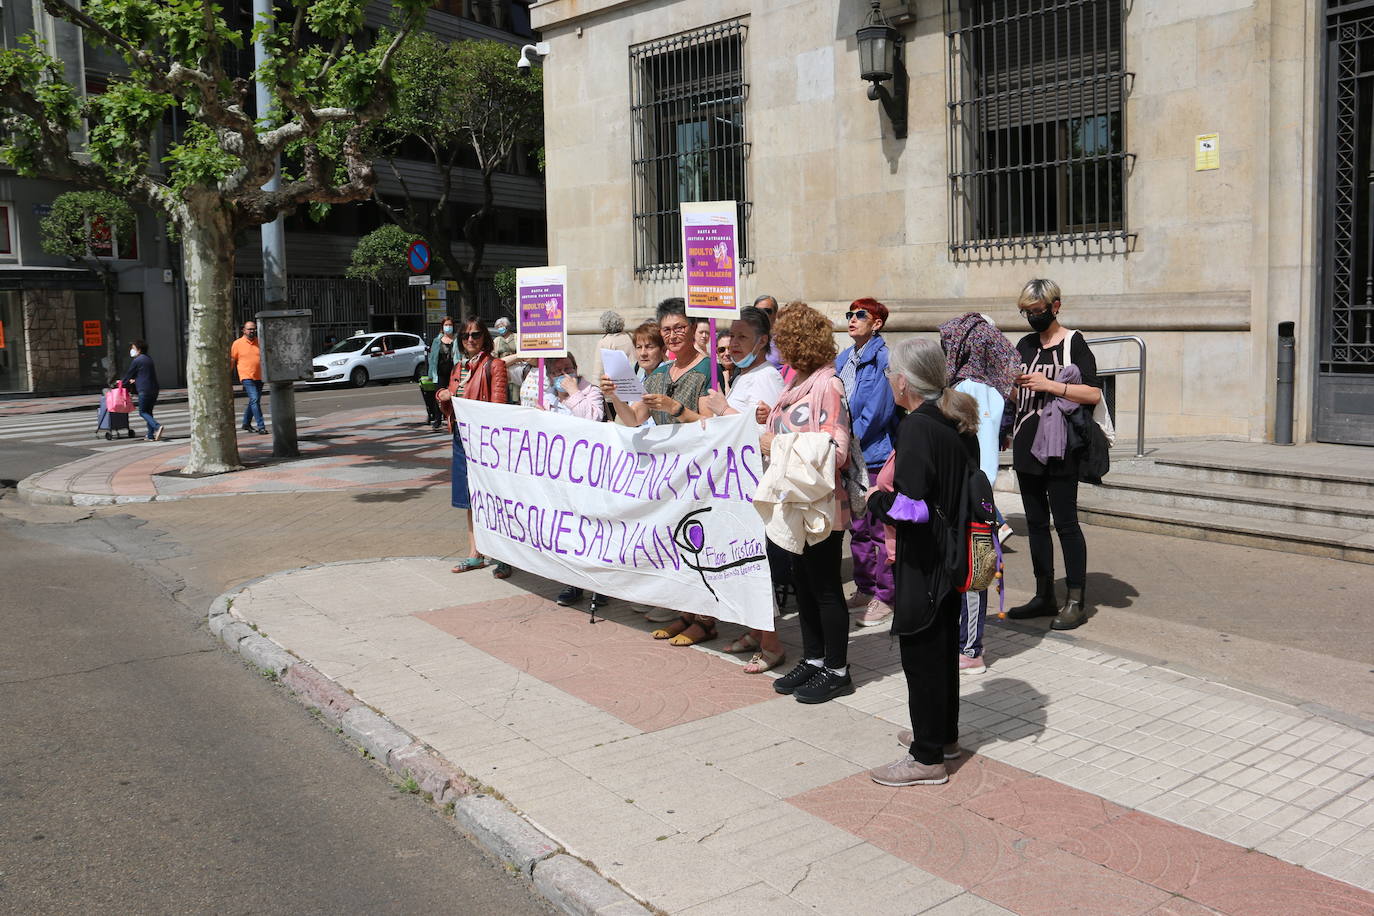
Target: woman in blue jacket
[
  {"x": 862, "y": 370},
  {"x": 143, "y": 374}
]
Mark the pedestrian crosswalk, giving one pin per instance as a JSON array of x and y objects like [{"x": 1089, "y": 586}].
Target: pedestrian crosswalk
[{"x": 77, "y": 428}]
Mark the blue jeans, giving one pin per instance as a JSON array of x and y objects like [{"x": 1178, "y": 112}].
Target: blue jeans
[
  {"x": 146, "y": 403},
  {"x": 253, "y": 412}
]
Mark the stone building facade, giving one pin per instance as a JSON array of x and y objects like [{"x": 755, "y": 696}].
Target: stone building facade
[{"x": 1060, "y": 140}]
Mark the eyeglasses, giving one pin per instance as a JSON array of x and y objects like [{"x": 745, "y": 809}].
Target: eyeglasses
[
  {"x": 673, "y": 331},
  {"x": 860, "y": 314},
  {"x": 722, "y": 349},
  {"x": 1027, "y": 313},
  {"x": 472, "y": 335}
]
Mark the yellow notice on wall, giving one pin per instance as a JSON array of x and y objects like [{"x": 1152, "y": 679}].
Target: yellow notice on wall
[{"x": 1208, "y": 152}]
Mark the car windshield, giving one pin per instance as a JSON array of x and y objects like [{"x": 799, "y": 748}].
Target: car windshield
[{"x": 351, "y": 345}]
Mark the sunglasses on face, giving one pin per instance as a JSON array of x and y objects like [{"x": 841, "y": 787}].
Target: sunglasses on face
[
  {"x": 722, "y": 349},
  {"x": 472, "y": 335},
  {"x": 860, "y": 314}
]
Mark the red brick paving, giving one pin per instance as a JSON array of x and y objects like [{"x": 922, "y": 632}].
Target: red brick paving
[
  {"x": 1036, "y": 847},
  {"x": 619, "y": 669}
]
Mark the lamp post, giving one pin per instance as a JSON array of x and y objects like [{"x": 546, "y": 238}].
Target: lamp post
[{"x": 880, "y": 60}]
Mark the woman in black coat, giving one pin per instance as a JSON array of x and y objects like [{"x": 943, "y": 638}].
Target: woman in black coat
[{"x": 936, "y": 446}]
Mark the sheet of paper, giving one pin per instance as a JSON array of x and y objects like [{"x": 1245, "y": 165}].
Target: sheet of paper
[{"x": 617, "y": 367}]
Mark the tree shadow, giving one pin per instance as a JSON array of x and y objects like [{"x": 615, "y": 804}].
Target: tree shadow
[{"x": 391, "y": 496}]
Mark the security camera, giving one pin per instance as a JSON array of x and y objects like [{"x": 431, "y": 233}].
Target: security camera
[{"x": 540, "y": 50}]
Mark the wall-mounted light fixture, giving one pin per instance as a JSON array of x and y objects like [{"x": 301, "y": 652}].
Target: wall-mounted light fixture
[{"x": 880, "y": 60}]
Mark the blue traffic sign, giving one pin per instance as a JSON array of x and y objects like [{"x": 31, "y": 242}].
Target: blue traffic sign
[{"x": 418, "y": 256}]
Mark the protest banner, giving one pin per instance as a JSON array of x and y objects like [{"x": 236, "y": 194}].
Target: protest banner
[
  {"x": 662, "y": 516},
  {"x": 710, "y": 259},
  {"x": 541, "y": 297}
]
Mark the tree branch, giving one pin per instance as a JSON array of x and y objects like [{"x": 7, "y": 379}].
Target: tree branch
[{"x": 63, "y": 10}]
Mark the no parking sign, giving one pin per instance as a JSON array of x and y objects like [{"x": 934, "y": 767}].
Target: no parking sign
[{"x": 418, "y": 256}]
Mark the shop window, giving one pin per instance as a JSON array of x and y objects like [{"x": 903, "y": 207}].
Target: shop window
[
  {"x": 1037, "y": 128},
  {"x": 6, "y": 230},
  {"x": 687, "y": 97},
  {"x": 107, "y": 242}
]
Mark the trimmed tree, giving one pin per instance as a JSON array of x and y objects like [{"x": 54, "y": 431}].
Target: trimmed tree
[
  {"x": 451, "y": 97},
  {"x": 181, "y": 57},
  {"x": 381, "y": 255},
  {"x": 80, "y": 225}
]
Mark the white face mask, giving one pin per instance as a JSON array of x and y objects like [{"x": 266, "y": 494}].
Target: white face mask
[{"x": 133, "y": 351}]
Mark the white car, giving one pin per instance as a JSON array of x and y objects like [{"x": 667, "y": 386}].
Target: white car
[{"x": 377, "y": 356}]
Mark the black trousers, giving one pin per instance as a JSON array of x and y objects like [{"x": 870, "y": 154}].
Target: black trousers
[
  {"x": 1046, "y": 496},
  {"x": 930, "y": 661},
  {"x": 820, "y": 601}
]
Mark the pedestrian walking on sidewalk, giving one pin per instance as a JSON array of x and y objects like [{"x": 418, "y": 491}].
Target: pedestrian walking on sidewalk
[
  {"x": 478, "y": 376},
  {"x": 1049, "y": 489},
  {"x": 245, "y": 358},
  {"x": 983, "y": 365},
  {"x": 862, "y": 370},
  {"x": 935, "y": 443},
  {"x": 813, "y": 402},
  {"x": 143, "y": 374}
]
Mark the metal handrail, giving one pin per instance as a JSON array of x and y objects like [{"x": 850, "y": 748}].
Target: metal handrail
[{"x": 1130, "y": 370}]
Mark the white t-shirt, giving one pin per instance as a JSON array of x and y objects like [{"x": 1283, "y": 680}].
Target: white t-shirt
[{"x": 761, "y": 385}]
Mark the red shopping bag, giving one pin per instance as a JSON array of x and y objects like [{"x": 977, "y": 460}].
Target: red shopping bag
[{"x": 117, "y": 399}]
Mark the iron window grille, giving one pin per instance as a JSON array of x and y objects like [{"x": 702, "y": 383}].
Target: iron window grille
[
  {"x": 1037, "y": 128},
  {"x": 1347, "y": 342},
  {"x": 689, "y": 143}
]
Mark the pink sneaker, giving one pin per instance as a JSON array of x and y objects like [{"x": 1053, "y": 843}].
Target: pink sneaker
[
  {"x": 971, "y": 665},
  {"x": 876, "y": 613},
  {"x": 858, "y": 601}
]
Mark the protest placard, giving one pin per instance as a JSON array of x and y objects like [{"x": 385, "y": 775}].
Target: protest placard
[
  {"x": 710, "y": 259},
  {"x": 662, "y": 516},
  {"x": 541, "y": 297}
]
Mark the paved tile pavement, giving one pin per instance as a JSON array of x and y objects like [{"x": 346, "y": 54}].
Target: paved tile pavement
[
  {"x": 377, "y": 449},
  {"x": 1096, "y": 784}
]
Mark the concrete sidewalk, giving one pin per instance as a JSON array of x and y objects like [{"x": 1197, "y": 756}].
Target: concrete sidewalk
[
  {"x": 21, "y": 407},
  {"x": 1094, "y": 783}
]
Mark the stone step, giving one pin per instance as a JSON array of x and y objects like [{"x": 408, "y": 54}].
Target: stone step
[
  {"x": 1345, "y": 512},
  {"x": 1236, "y": 471},
  {"x": 1289, "y": 537}
]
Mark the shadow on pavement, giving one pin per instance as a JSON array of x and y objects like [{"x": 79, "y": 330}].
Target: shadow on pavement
[{"x": 391, "y": 496}]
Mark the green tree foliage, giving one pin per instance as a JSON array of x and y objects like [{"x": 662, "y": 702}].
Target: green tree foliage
[
  {"x": 504, "y": 281},
  {"x": 181, "y": 65},
  {"x": 381, "y": 255},
  {"x": 454, "y": 98},
  {"x": 80, "y": 226}
]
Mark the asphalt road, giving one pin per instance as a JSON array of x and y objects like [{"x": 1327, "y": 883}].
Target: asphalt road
[{"x": 145, "y": 770}]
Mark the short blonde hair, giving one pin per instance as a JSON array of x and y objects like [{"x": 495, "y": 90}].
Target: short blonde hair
[{"x": 1038, "y": 292}]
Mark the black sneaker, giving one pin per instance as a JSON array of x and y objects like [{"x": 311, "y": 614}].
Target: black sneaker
[
  {"x": 600, "y": 600},
  {"x": 803, "y": 672},
  {"x": 825, "y": 686},
  {"x": 247, "y": 428},
  {"x": 570, "y": 595},
  {"x": 262, "y": 432}
]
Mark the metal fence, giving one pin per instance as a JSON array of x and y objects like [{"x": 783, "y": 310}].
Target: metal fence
[{"x": 339, "y": 306}]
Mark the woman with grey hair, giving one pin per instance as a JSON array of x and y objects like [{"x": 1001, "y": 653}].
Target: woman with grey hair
[
  {"x": 936, "y": 447},
  {"x": 614, "y": 338}
]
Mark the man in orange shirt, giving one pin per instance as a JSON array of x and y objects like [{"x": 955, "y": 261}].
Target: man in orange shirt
[{"x": 245, "y": 358}]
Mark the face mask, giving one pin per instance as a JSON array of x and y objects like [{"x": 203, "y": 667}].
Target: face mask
[
  {"x": 500, "y": 332},
  {"x": 558, "y": 385},
  {"x": 1041, "y": 321},
  {"x": 133, "y": 351},
  {"x": 746, "y": 362},
  {"x": 448, "y": 329}
]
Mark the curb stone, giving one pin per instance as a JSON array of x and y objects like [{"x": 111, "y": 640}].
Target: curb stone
[{"x": 569, "y": 884}]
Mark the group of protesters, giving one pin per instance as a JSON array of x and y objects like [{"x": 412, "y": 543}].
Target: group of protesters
[{"x": 917, "y": 415}]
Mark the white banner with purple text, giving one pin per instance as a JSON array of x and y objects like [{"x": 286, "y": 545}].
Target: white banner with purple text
[{"x": 661, "y": 515}]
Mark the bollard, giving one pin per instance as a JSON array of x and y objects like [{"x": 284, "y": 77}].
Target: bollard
[{"x": 1283, "y": 398}]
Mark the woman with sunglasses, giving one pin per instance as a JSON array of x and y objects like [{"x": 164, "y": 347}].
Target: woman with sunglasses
[
  {"x": 873, "y": 413},
  {"x": 478, "y": 376},
  {"x": 725, "y": 364},
  {"x": 1049, "y": 490},
  {"x": 756, "y": 383}
]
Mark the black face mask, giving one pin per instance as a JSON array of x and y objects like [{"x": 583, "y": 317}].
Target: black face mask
[{"x": 1041, "y": 320}]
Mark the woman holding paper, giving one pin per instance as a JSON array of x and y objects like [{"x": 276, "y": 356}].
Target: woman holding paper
[
  {"x": 674, "y": 389},
  {"x": 479, "y": 376}
]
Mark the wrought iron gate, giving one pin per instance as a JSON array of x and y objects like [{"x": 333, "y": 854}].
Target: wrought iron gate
[{"x": 1345, "y": 369}]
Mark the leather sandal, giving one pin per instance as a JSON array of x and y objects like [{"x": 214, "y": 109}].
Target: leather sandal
[
  {"x": 764, "y": 661},
  {"x": 682, "y": 639},
  {"x": 673, "y": 629},
  {"x": 468, "y": 564},
  {"x": 746, "y": 643}
]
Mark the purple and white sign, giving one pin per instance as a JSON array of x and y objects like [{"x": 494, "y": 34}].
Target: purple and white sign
[
  {"x": 710, "y": 259},
  {"x": 541, "y": 309},
  {"x": 662, "y": 516}
]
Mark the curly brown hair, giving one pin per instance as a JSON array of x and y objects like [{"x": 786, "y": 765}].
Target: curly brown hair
[{"x": 805, "y": 338}]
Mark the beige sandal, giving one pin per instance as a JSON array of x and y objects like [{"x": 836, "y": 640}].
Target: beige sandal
[
  {"x": 764, "y": 661},
  {"x": 746, "y": 643}
]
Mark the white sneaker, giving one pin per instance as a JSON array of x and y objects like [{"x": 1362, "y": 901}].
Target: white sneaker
[
  {"x": 875, "y": 614},
  {"x": 858, "y": 601},
  {"x": 1003, "y": 533},
  {"x": 662, "y": 615}
]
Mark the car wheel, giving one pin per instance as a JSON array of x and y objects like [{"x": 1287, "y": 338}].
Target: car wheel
[
  {"x": 419, "y": 372},
  {"x": 358, "y": 377}
]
